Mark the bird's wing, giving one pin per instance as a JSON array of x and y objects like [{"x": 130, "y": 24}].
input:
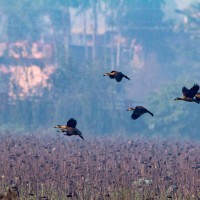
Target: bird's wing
[
  {"x": 184, "y": 91},
  {"x": 111, "y": 76},
  {"x": 72, "y": 123},
  {"x": 70, "y": 132},
  {"x": 75, "y": 132},
  {"x": 193, "y": 91},
  {"x": 135, "y": 116},
  {"x": 139, "y": 110},
  {"x": 126, "y": 77},
  {"x": 118, "y": 76}
]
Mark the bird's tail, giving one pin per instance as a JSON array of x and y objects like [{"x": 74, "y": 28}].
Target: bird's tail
[
  {"x": 81, "y": 136},
  {"x": 126, "y": 77},
  {"x": 150, "y": 113}
]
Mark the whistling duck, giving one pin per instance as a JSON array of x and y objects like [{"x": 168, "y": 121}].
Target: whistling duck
[
  {"x": 116, "y": 75},
  {"x": 138, "y": 111},
  {"x": 188, "y": 95},
  {"x": 70, "y": 129}
]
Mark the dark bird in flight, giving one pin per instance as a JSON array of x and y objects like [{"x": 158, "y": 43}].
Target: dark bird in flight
[
  {"x": 139, "y": 111},
  {"x": 189, "y": 94},
  {"x": 116, "y": 75},
  {"x": 70, "y": 129}
]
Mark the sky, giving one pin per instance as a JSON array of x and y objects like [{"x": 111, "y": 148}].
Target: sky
[{"x": 185, "y": 3}]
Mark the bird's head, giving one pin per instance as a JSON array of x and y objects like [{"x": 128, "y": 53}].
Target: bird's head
[
  {"x": 61, "y": 130},
  {"x": 177, "y": 99},
  {"x": 130, "y": 109},
  {"x": 106, "y": 74}
]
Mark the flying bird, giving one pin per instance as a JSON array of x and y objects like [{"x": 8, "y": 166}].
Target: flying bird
[
  {"x": 189, "y": 94},
  {"x": 139, "y": 111},
  {"x": 116, "y": 75},
  {"x": 70, "y": 129}
]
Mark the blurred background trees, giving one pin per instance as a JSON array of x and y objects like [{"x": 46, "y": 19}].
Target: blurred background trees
[{"x": 53, "y": 55}]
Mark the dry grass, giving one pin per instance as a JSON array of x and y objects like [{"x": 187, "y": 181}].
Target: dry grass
[{"x": 99, "y": 168}]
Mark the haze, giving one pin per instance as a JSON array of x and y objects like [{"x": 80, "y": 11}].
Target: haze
[{"x": 53, "y": 56}]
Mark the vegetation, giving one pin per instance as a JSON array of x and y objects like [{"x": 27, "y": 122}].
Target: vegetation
[
  {"x": 171, "y": 117},
  {"x": 99, "y": 168},
  {"x": 41, "y": 42}
]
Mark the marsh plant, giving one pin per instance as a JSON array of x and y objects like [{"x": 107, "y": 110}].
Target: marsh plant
[{"x": 99, "y": 168}]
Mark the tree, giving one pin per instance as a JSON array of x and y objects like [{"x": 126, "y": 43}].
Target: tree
[
  {"x": 22, "y": 22},
  {"x": 187, "y": 41},
  {"x": 113, "y": 12},
  {"x": 142, "y": 20},
  {"x": 174, "y": 117},
  {"x": 83, "y": 7}
]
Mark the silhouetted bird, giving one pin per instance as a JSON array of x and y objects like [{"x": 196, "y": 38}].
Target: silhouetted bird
[
  {"x": 138, "y": 111},
  {"x": 188, "y": 95},
  {"x": 70, "y": 129},
  {"x": 116, "y": 75},
  {"x": 186, "y": 90},
  {"x": 70, "y": 124}
]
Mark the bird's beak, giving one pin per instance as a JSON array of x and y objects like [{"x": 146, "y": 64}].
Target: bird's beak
[
  {"x": 131, "y": 109},
  {"x": 174, "y": 99}
]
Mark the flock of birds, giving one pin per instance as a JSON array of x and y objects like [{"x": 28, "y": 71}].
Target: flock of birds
[{"x": 189, "y": 95}]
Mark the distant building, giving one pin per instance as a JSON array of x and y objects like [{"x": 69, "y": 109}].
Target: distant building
[{"x": 29, "y": 64}]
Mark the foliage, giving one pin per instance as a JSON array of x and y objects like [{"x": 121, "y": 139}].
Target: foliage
[
  {"x": 174, "y": 117},
  {"x": 143, "y": 20},
  {"x": 98, "y": 168}
]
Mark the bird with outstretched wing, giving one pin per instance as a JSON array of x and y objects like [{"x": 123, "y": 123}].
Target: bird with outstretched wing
[
  {"x": 70, "y": 129},
  {"x": 116, "y": 75},
  {"x": 139, "y": 111},
  {"x": 189, "y": 94}
]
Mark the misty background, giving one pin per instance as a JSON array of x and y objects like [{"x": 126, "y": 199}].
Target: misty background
[{"x": 53, "y": 55}]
